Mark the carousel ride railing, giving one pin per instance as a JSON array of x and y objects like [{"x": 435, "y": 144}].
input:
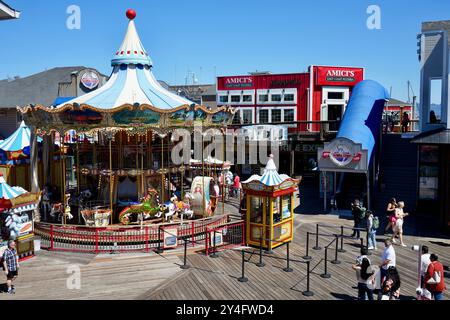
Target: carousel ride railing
[{"x": 92, "y": 239}]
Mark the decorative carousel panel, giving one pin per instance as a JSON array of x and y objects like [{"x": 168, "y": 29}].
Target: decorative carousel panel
[
  {"x": 187, "y": 118},
  {"x": 127, "y": 116},
  {"x": 221, "y": 117},
  {"x": 80, "y": 117}
]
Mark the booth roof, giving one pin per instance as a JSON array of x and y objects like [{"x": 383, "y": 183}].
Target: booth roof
[
  {"x": 7, "y": 192},
  {"x": 270, "y": 177}
]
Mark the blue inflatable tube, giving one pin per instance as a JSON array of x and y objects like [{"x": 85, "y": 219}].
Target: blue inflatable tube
[{"x": 361, "y": 122}]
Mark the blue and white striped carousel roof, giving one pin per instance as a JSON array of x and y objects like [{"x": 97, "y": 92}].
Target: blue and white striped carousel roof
[
  {"x": 270, "y": 177},
  {"x": 7, "y": 192},
  {"x": 19, "y": 140},
  {"x": 132, "y": 81}
]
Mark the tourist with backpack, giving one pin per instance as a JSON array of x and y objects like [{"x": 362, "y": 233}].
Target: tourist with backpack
[
  {"x": 372, "y": 225},
  {"x": 358, "y": 213}
]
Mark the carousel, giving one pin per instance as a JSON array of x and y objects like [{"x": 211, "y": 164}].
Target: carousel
[{"x": 107, "y": 155}]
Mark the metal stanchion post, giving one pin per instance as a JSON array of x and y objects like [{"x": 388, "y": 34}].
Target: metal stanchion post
[
  {"x": 325, "y": 273},
  {"x": 342, "y": 240},
  {"x": 307, "y": 293},
  {"x": 336, "y": 260},
  {"x": 316, "y": 247},
  {"x": 362, "y": 242},
  {"x": 185, "y": 266},
  {"x": 307, "y": 256},
  {"x": 243, "y": 278},
  {"x": 287, "y": 269},
  {"x": 260, "y": 263},
  {"x": 159, "y": 250},
  {"x": 214, "y": 255}
]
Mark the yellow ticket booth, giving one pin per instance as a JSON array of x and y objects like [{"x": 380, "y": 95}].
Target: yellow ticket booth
[{"x": 270, "y": 208}]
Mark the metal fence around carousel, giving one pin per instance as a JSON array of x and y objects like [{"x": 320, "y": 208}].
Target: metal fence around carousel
[
  {"x": 122, "y": 238},
  {"x": 223, "y": 237}
]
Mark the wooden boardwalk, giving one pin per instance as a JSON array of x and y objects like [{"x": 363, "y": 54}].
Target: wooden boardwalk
[
  {"x": 159, "y": 277},
  {"x": 216, "y": 278}
]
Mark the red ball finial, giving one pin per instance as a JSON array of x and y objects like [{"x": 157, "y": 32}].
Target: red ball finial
[{"x": 131, "y": 14}]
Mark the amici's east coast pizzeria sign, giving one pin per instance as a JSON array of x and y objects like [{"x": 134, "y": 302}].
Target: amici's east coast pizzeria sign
[
  {"x": 338, "y": 76},
  {"x": 342, "y": 154}
]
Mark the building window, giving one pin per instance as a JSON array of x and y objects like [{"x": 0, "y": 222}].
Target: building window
[
  {"x": 332, "y": 95},
  {"x": 435, "y": 100},
  {"x": 276, "y": 115},
  {"x": 263, "y": 97},
  {"x": 237, "y": 118},
  {"x": 247, "y": 116},
  {"x": 289, "y": 115},
  {"x": 247, "y": 98},
  {"x": 235, "y": 98},
  {"x": 264, "y": 116},
  {"x": 289, "y": 97},
  {"x": 276, "y": 97},
  {"x": 223, "y": 99}
]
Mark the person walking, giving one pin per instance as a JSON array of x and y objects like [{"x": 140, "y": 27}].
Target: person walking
[
  {"x": 358, "y": 213},
  {"x": 434, "y": 278},
  {"x": 405, "y": 122},
  {"x": 372, "y": 226},
  {"x": 424, "y": 263},
  {"x": 11, "y": 265},
  {"x": 365, "y": 275},
  {"x": 399, "y": 219},
  {"x": 236, "y": 185},
  {"x": 390, "y": 215},
  {"x": 388, "y": 259}
]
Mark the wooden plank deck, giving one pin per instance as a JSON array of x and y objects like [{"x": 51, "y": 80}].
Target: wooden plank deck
[
  {"x": 158, "y": 277},
  {"x": 216, "y": 278}
]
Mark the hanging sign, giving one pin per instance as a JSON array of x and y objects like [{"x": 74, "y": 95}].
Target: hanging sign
[{"x": 90, "y": 80}]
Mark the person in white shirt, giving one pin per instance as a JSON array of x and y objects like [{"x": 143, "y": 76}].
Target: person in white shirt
[
  {"x": 388, "y": 259},
  {"x": 424, "y": 262},
  {"x": 398, "y": 228}
]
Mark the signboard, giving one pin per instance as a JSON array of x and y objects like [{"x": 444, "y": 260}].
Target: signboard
[
  {"x": 237, "y": 82},
  {"x": 338, "y": 76},
  {"x": 218, "y": 239},
  {"x": 170, "y": 237},
  {"x": 342, "y": 155},
  {"x": 90, "y": 80},
  {"x": 26, "y": 228}
]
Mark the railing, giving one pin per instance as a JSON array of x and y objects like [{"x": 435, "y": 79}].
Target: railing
[
  {"x": 232, "y": 235},
  {"x": 121, "y": 238}
]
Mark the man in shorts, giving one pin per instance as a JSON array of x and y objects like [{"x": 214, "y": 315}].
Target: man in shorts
[{"x": 11, "y": 265}]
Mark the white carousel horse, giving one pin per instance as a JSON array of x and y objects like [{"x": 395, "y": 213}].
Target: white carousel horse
[{"x": 168, "y": 209}]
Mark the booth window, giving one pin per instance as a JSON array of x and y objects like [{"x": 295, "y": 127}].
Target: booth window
[
  {"x": 247, "y": 98},
  {"x": 235, "y": 98},
  {"x": 276, "y": 115},
  {"x": 289, "y": 115},
  {"x": 264, "y": 116},
  {"x": 289, "y": 97},
  {"x": 256, "y": 209},
  {"x": 286, "y": 207},
  {"x": 276, "y": 97},
  {"x": 223, "y": 98}
]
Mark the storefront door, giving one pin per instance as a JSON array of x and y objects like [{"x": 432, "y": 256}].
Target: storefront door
[{"x": 335, "y": 112}]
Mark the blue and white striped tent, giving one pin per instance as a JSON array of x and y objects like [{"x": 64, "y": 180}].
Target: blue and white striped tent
[
  {"x": 7, "y": 192},
  {"x": 270, "y": 177},
  {"x": 131, "y": 82},
  {"x": 19, "y": 140}
]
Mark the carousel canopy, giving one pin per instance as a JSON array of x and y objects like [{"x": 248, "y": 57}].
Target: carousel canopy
[
  {"x": 19, "y": 140},
  {"x": 7, "y": 192},
  {"x": 132, "y": 80}
]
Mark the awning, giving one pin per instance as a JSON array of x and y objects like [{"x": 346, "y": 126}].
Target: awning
[
  {"x": 24, "y": 208},
  {"x": 440, "y": 137},
  {"x": 6, "y": 12},
  {"x": 61, "y": 100}
]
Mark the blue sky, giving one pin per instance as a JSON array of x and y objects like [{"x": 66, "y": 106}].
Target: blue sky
[{"x": 223, "y": 37}]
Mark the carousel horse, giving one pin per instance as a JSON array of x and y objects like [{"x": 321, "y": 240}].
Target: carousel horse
[
  {"x": 58, "y": 211},
  {"x": 148, "y": 208},
  {"x": 168, "y": 209},
  {"x": 184, "y": 207}
]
